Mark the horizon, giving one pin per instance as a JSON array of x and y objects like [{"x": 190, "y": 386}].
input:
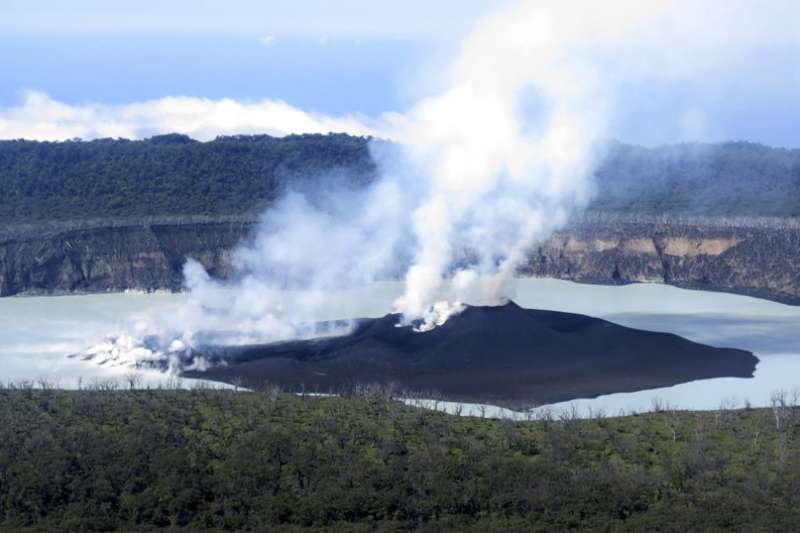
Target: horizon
[
  {"x": 352, "y": 66},
  {"x": 371, "y": 137}
]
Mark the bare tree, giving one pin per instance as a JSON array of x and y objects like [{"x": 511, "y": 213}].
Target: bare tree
[
  {"x": 436, "y": 404},
  {"x": 133, "y": 379},
  {"x": 600, "y": 417},
  {"x": 658, "y": 405},
  {"x": 781, "y": 409},
  {"x": 756, "y": 436},
  {"x": 674, "y": 423},
  {"x": 546, "y": 417},
  {"x": 44, "y": 384},
  {"x": 725, "y": 412},
  {"x": 271, "y": 392},
  {"x": 570, "y": 415}
]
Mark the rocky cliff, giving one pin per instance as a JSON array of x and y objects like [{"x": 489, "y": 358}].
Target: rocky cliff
[
  {"x": 749, "y": 255},
  {"x": 755, "y": 256},
  {"x": 98, "y": 256}
]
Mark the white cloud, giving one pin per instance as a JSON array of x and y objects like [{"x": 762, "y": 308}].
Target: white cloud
[
  {"x": 38, "y": 116},
  {"x": 267, "y": 40}
]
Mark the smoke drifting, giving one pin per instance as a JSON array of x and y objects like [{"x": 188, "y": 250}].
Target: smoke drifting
[
  {"x": 477, "y": 174},
  {"x": 502, "y": 178}
]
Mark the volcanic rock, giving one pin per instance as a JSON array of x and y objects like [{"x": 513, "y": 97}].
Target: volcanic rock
[{"x": 504, "y": 355}]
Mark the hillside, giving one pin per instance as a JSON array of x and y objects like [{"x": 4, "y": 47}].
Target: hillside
[
  {"x": 175, "y": 175},
  {"x": 168, "y": 174},
  {"x": 105, "y": 460},
  {"x": 725, "y": 179}
]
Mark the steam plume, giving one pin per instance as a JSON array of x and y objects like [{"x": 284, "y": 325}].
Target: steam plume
[{"x": 481, "y": 171}]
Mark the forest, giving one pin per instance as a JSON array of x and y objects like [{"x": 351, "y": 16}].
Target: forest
[
  {"x": 172, "y": 174},
  {"x": 109, "y": 458},
  {"x": 732, "y": 179}
]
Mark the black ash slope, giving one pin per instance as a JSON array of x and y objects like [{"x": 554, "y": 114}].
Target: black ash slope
[{"x": 503, "y": 355}]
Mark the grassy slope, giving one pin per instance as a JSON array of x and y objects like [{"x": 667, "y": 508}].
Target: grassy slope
[{"x": 214, "y": 460}]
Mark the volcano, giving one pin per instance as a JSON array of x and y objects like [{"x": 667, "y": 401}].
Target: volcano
[{"x": 503, "y": 355}]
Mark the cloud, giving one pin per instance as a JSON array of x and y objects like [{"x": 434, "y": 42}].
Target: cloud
[
  {"x": 266, "y": 40},
  {"x": 40, "y": 117}
]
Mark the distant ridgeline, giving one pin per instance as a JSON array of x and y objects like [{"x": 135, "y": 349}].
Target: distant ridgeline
[
  {"x": 168, "y": 174},
  {"x": 175, "y": 175},
  {"x": 726, "y": 179}
]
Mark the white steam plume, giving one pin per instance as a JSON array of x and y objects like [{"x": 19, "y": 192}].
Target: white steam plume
[
  {"x": 489, "y": 166},
  {"x": 495, "y": 180},
  {"x": 502, "y": 182}
]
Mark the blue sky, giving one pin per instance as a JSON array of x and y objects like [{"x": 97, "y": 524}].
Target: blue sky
[
  {"x": 328, "y": 56},
  {"x": 339, "y": 77},
  {"x": 112, "y": 50},
  {"x": 336, "y": 58}
]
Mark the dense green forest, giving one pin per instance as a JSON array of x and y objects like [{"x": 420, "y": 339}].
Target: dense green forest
[
  {"x": 175, "y": 175},
  {"x": 169, "y": 174},
  {"x": 198, "y": 460},
  {"x": 730, "y": 179}
]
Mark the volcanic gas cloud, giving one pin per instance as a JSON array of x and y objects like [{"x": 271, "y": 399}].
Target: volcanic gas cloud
[{"x": 469, "y": 178}]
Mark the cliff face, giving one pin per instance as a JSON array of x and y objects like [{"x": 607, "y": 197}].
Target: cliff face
[
  {"x": 97, "y": 258},
  {"x": 753, "y": 257}
]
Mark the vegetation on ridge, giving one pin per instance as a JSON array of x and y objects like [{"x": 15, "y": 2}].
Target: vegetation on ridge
[
  {"x": 169, "y": 174},
  {"x": 723, "y": 179},
  {"x": 175, "y": 175}
]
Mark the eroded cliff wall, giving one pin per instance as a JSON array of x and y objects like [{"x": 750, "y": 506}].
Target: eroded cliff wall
[
  {"x": 145, "y": 255},
  {"x": 758, "y": 257},
  {"x": 753, "y": 256}
]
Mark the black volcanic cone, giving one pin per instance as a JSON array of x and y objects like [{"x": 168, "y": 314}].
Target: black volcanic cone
[{"x": 503, "y": 355}]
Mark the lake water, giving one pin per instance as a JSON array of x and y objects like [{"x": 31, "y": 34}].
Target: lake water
[{"x": 36, "y": 334}]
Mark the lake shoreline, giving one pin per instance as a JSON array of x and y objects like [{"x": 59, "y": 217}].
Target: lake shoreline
[{"x": 41, "y": 331}]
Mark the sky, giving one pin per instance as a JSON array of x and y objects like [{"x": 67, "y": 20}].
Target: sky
[{"x": 346, "y": 59}]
